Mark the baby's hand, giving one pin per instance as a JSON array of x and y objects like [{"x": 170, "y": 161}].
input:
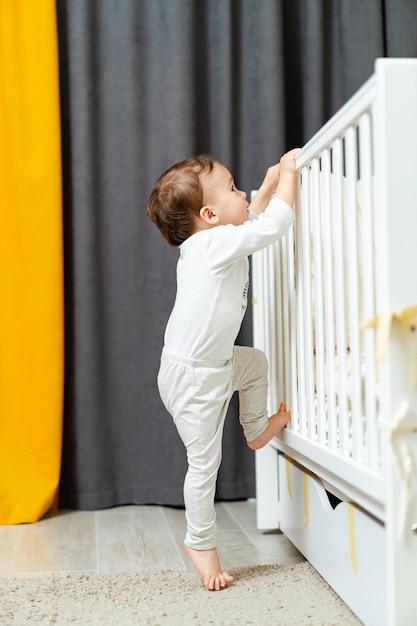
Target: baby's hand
[
  {"x": 273, "y": 181},
  {"x": 288, "y": 175},
  {"x": 271, "y": 177},
  {"x": 287, "y": 162}
]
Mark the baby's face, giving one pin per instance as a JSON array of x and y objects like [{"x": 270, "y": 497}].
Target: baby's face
[{"x": 226, "y": 201}]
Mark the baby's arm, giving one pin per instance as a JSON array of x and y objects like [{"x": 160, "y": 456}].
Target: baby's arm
[
  {"x": 288, "y": 174},
  {"x": 279, "y": 178}
]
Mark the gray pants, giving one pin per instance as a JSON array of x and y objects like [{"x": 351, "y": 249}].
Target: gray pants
[{"x": 197, "y": 395}]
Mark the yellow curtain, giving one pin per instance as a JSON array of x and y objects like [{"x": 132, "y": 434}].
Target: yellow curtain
[{"x": 31, "y": 272}]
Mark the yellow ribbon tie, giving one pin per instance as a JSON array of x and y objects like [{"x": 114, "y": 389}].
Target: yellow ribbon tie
[
  {"x": 398, "y": 427},
  {"x": 383, "y": 323},
  {"x": 352, "y": 538}
]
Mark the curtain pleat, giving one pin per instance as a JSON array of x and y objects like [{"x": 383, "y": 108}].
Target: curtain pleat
[{"x": 31, "y": 272}]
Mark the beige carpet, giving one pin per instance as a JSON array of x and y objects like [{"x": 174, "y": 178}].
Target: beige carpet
[{"x": 264, "y": 595}]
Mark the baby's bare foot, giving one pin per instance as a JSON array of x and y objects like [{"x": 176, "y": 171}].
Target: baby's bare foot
[
  {"x": 208, "y": 565},
  {"x": 276, "y": 423}
]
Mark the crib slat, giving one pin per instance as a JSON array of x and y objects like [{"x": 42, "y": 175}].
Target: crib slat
[
  {"x": 284, "y": 306},
  {"x": 306, "y": 354},
  {"x": 367, "y": 266},
  {"x": 379, "y": 277},
  {"x": 276, "y": 297},
  {"x": 272, "y": 276},
  {"x": 293, "y": 397},
  {"x": 300, "y": 303},
  {"x": 318, "y": 303},
  {"x": 354, "y": 347},
  {"x": 340, "y": 301},
  {"x": 264, "y": 316},
  {"x": 328, "y": 299}
]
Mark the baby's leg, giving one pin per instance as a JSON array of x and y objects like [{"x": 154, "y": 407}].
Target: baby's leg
[
  {"x": 201, "y": 401},
  {"x": 250, "y": 378},
  {"x": 207, "y": 564},
  {"x": 199, "y": 488}
]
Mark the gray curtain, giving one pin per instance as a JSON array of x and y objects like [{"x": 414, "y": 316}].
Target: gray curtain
[{"x": 146, "y": 83}]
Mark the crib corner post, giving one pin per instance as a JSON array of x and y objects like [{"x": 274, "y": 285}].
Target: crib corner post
[{"x": 396, "y": 137}]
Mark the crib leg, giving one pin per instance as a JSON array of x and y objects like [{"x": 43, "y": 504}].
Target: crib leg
[{"x": 267, "y": 509}]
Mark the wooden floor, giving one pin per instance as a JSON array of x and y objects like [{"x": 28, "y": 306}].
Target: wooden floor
[{"x": 133, "y": 538}]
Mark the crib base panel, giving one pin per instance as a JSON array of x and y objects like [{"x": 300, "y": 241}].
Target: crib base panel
[{"x": 344, "y": 544}]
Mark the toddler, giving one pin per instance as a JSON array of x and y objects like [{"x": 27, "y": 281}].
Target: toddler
[{"x": 197, "y": 207}]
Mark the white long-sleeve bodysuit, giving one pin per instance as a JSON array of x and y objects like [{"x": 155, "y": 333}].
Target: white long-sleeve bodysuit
[
  {"x": 201, "y": 367},
  {"x": 213, "y": 281}
]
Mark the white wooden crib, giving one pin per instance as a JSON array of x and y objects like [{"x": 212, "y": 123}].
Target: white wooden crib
[{"x": 334, "y": 309}]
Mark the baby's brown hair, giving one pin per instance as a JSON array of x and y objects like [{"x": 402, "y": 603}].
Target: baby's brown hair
[{"x": 178, "y": 198}]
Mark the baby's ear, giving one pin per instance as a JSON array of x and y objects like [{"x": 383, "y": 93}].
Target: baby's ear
[{"x": 207, "y": 214}]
